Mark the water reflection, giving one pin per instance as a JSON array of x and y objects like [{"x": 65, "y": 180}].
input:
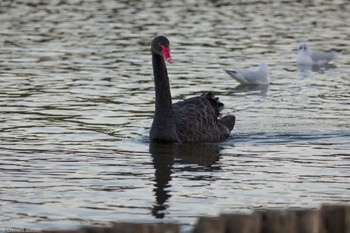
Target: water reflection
[
  {"x": 165, "y": 156},
  {"x": 163, "y": 160},
  {"x": 77, "y": 94},
  {"x": 261, "y": 90},
  {"x": 306, "y": 70}
]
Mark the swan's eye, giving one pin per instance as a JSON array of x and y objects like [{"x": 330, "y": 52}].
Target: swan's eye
[{"x": 300, "y": 47}]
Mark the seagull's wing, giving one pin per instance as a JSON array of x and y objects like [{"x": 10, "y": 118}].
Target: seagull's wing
[
  {"x": 323, "y": 57},
  {"x": 236, "y": 75},
  {"x": 248, "y": 76},
  {"x": 254, "y": 77}
]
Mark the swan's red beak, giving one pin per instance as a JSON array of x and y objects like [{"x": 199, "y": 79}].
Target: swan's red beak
[{"x": 166, "y": 54}]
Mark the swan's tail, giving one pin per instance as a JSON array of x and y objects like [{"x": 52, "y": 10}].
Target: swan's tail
[
  {"x": 229, "y": 122},
  {"x": 214, "y": 101}
]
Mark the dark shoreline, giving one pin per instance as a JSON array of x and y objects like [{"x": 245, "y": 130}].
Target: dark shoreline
[{"x": 326, "y": 219}]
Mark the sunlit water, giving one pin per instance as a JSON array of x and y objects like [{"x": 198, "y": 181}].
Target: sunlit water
[{"x": 77, "y": 99}]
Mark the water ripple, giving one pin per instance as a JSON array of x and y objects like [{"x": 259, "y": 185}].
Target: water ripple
[{"x": 77, "y": 100}]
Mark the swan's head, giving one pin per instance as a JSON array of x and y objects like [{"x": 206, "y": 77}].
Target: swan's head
[
  {"x": 161, "y": 46},
  {"x": 303, "y": 48}
]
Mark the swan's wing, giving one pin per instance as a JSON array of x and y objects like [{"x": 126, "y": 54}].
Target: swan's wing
[
  {"x": 197, "y": 120},
  {"x": 323, "y": 57},
  {"x": 248, "y": 76}
]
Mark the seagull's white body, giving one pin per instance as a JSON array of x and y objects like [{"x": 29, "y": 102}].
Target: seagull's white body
[
  {"x": 251, "y": 77},
  {"x": 308, "y": 57}
]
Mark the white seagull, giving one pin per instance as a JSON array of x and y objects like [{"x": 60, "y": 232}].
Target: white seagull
[
  {"x": 308, "y": 57},
  {"x": 251, "y": 77}
]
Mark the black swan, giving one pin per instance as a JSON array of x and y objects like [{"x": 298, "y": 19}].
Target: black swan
[{"x": 192, "y": 120}]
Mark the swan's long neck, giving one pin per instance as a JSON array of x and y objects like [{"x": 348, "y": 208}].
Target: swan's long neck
[{"x": 163, "y": 126}]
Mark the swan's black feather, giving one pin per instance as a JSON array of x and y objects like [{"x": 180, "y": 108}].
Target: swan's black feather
[{"x": 196, "y": 119}]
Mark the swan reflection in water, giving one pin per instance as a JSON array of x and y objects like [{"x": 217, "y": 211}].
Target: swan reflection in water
[
  {"x": 306, "y": 70},
  {"x": 165, "y": 158}
]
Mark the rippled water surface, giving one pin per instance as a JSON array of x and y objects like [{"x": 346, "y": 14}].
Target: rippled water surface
[{"x": 77, "y": 100}]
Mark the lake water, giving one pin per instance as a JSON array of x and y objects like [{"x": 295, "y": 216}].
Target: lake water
[{"x": 77, "y": 100}]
